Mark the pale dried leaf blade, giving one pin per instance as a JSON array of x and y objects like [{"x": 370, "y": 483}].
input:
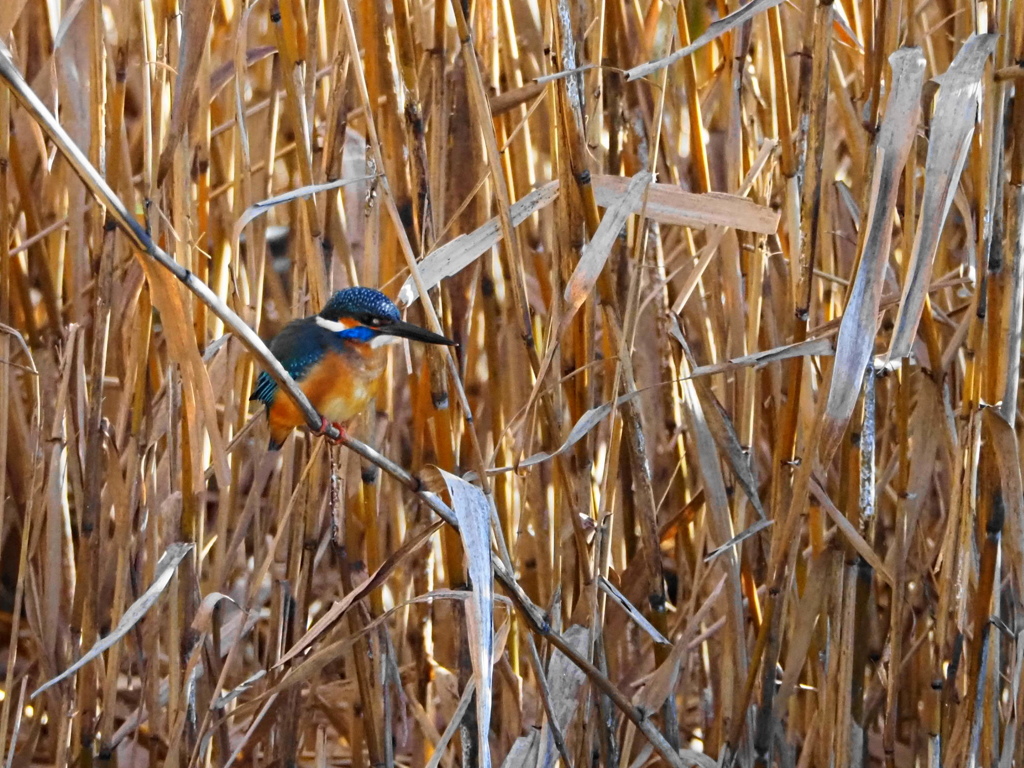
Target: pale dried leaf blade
[
  {"x": 165, "y": 569},
  {"x": 223, "y": 74},
  {"x": 956, "y": 112},
  {"x": 850, "y": 532},
  {"x": 998, "y": 435},
  {"x": 856, "y": 340},
  {"x": 1007, "y": 454},
  {"x": 596, "y": 252},
  {"x": 842, "y": 29},
  {"x": 709, "y": 466},
  {"x": 195, "y": 32},
  {"x": 457, "y": 254},
  {"x": 9, "y": 13},
  {"x": 473, "y": 511},
  {"x": 258, "y": 209},
  {"x": 807, "y": 615},
  {"x": 333, "y": 614},
  {"x": 715, "y": 29},
  {"x": 565, "y": 680},
  {"x": 719, "y": 518},
  {"x": 70, "y": 14},
  {"x": 239, "y": 689},
  {"x": 167, "y": 298},
  {"x": 713, "y": 240},
  {"x": 523, "y": 753},
  {"x": 668, "y": 204},
  {"x": 203, "y": 622},
  {"x": 632, "y": 611},
  {"x": 460, "y": 710},
  {"x": 727, "y": 439},
  {"x": 739, "y": 538},
  {"x": 580, "y": 429},
  {"x": 720, "y": 426},
  {"x": 453, "y": 725},
  {"x": 660, "y": 683},
  {"x": 809, "y": 348}
]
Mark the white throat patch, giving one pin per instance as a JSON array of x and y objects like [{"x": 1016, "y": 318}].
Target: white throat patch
[{"x": 384, "y": 340}]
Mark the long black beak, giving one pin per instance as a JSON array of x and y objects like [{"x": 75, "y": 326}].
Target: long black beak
[{"x": 414, "y": 332}]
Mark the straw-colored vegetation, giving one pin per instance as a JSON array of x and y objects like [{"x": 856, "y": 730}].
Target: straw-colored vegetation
[{"x": 731, "y": 430}]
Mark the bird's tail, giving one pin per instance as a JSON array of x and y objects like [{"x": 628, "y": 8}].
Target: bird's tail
[{"x": 277, "y": 438}]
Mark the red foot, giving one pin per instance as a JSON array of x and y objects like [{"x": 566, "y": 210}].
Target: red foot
[{"x": 325, "y": 425}]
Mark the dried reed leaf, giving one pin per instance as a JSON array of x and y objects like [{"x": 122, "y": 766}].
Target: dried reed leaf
[
  {"x": 473, "y": 511},
  {"x": 1005, "y": 450},
  {"x": 668, "y": 204},
  {"x": 341, "y": 607},
  {"x": 843, "y": 31},
  {"x": 632, "y": 611},
  {"x": 66, "y": 22},
  {"x": 464, "y": 701},
  {"x": 807, "y": 612},
  {"x": 715, "y": 30},
  {"x": 952, "y": 128},
  {"x": 510, "y": 99},
  {"x": 850, "y": 533},
  {"x": 565, "y": 680},
  {"x": 223, "y": 74},
  {"x": 203, "y": 622},
  {"x": 660, "y": 683},
  {"x": 523, "y": 753},
  {"x": 855, "y": 343},
  {"x": 165, "y": 569},
  {"x": 196, "y": 378},
  {"x": 9, "y": 14},
  {"x": 454, "y": 722},
  {"x": 810, "y": 348},
  {"x": 720, "y": 427},
  {"x": 457, "y": 254},
  {"x": 596, "y": 252},
  {"x": 580, "y": 429},
  {"x": 195, "y": 32},
  {"x": 739, "y": 538},
  {"x": 258, "y": 209}
]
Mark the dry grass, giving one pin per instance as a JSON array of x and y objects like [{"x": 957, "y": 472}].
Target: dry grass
[{"x": 747, "y": 436}]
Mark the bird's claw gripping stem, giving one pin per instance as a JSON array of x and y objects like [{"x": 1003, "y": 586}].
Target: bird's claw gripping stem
[{"x": 325, "y": 425}]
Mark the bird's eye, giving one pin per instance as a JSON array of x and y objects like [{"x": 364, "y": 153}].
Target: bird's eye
[{"x": 376, "y": 322}]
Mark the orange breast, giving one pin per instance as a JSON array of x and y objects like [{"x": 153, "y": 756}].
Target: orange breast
[{"x": 339, "y": 387}]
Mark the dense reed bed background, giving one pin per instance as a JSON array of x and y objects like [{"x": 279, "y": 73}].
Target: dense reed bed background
[{"x": 748, "y": 437}]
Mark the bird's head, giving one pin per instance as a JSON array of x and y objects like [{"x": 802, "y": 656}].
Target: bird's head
[{"x": 368, "y": 316}]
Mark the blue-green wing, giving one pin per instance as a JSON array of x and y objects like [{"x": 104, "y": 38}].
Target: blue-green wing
[
  {"x": 298, "y": 346},
  {"x": 265, "y": 389}
]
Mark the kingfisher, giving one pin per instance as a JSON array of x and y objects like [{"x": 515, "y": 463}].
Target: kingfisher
[{"x": 336, "y": 357}]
